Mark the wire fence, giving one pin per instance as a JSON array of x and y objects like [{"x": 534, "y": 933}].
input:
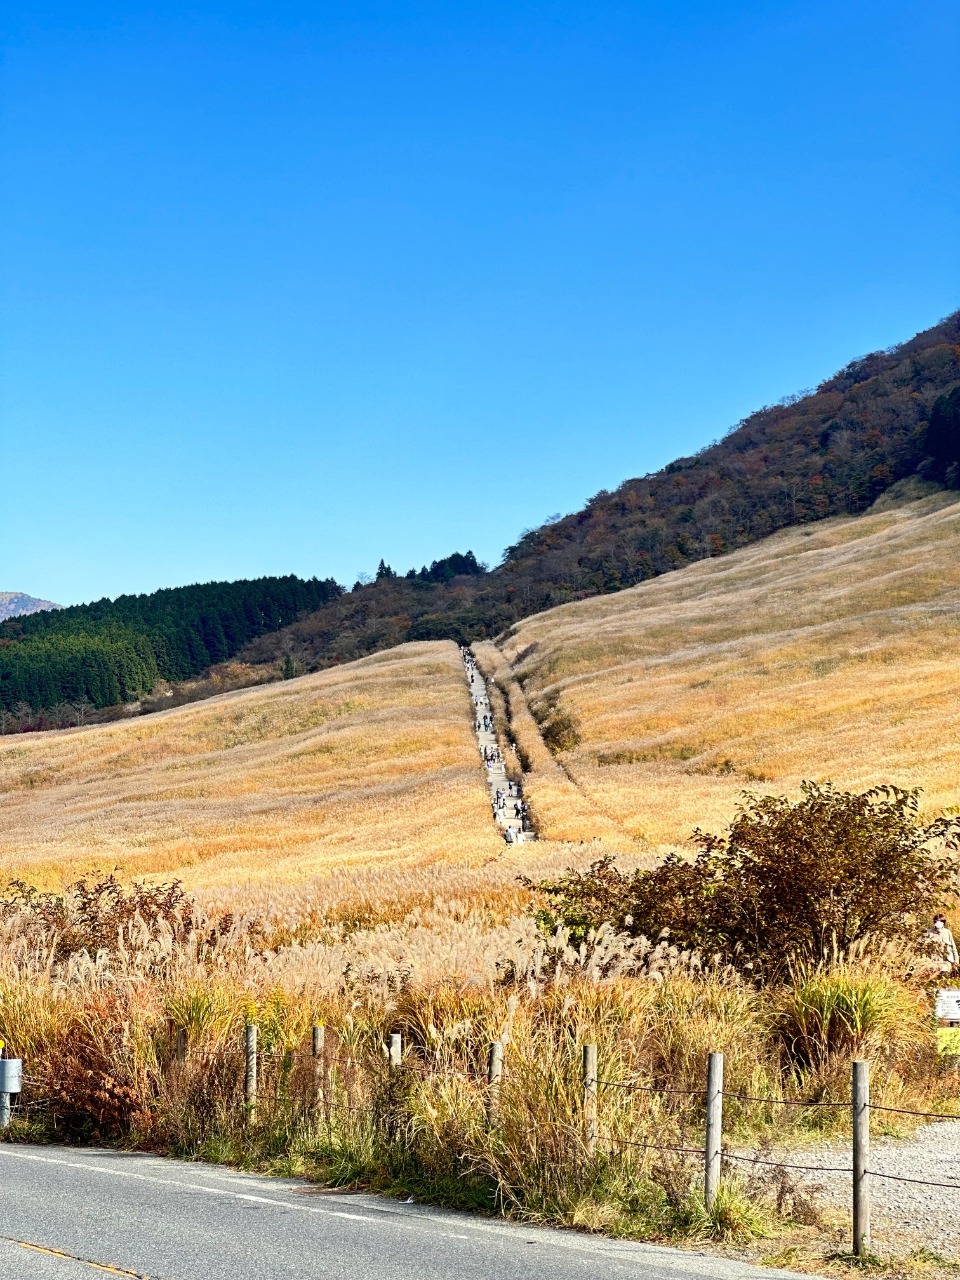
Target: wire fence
[{"x": 334, "y": 1071}]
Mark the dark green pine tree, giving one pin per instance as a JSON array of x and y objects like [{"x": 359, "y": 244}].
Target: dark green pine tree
[{"x": 943, "y": 438}]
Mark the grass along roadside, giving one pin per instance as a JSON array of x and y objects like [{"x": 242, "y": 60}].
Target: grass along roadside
[{"x": 141, "y": 1044}]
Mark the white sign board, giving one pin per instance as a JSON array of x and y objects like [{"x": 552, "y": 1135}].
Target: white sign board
[{"x": 948, "y": 1004}]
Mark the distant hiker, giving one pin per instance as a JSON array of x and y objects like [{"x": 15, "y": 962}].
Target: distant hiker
[{"x": 944, "y": 938}]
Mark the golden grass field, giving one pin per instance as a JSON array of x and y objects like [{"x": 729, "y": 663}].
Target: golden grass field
[
  {"x": 828, "y": 651},
  {"x": 369, "y": 763},
  {"x": 335, "y": 834}
]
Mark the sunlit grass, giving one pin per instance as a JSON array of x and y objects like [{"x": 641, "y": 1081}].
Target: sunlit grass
[
  {"x": 824, "y": 652},
  {"x": 372, "y": 762}
]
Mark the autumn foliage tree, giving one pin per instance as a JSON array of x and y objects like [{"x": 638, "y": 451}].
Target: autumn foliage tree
[{"x": 790, "y": 881}]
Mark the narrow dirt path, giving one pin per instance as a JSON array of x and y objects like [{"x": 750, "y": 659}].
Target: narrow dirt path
[
  {"x": 506, "y": 797},
  {"x": 915, "y": 1190}
]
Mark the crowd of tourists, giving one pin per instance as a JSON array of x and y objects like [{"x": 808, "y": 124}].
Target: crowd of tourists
[{"x": 506, "y": 794}]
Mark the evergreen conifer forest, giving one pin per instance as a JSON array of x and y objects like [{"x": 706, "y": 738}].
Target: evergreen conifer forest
[{"x": 115, "y": 651}]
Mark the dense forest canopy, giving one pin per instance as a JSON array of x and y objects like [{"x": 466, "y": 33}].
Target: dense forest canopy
[
  {"x": 831, "y": 451},
  {"x": 115, "y": 650}
]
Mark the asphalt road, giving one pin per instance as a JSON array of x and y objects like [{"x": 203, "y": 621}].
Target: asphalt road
[{"x": 68, "y": 1214}]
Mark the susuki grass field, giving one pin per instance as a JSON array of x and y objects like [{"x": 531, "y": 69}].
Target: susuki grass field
[
  {"x": 829, "y": 651},
  {"x": 335, "y": 837},
  {"x": 371, "y": 763}
]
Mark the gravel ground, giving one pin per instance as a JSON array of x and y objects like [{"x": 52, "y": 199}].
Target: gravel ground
[{"x": 904, "y": 1215}]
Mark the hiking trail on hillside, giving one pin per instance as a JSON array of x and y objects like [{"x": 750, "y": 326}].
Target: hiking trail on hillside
[{"x": 506, "y": 797}]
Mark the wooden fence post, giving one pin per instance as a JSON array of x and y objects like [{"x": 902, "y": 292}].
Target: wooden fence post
[
  {"x": 861, "y": 1158},
  {"x": 250, "y": 1076},
  {"x": 590, "y": 1098},
  {"x": 714, "y": 1132},
  {"x": 317, "y": 1046},
  {"x": 494, "y": 1073}
]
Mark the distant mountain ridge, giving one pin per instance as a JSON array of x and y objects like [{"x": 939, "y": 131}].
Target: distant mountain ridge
[{"x": 14, "y": 604}]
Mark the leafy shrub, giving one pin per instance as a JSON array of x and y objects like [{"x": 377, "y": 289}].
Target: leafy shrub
[{"x": 791, "y": 881}]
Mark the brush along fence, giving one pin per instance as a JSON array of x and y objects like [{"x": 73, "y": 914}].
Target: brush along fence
[
  {"x": 332, "y": 1088},
  {"x": 712, "y": 1152}
]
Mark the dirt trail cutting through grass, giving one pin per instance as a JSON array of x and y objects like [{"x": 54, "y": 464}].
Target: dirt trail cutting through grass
[{"x": 506, "y": 797}]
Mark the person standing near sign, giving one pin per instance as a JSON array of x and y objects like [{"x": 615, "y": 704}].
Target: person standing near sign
[{"x": 944, "y": 937}]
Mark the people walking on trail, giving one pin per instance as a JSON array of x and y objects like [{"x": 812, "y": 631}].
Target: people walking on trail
[{"x": 501, "y": 788}]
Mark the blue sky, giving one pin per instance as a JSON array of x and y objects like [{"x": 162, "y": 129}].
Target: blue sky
[{"x": 291, "y": 287}]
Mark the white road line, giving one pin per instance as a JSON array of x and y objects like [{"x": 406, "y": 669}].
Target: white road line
[
  {"x": 187, "y": 1186},
  {"x": 614, "y": 1251}
]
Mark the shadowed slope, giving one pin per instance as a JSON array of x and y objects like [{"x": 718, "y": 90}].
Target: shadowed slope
[
  {"x": 368, "y": 762},
  {"x": 823, "y": 652}
]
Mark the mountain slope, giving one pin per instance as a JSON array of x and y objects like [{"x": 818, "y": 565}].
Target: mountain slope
[
  {"x": 828, "y": 651},
  {"x": 115, "y": 651},
  {"x": 14, "y": 604},
  {"x": 883, "y": 418},
  {"x": 831, "y": 452},
  {"x": 371, "y": 763}
]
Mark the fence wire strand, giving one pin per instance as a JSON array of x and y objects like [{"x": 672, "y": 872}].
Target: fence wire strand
[
  {"x": 782, "y": 1164},
  {"x": 648, "y": 1088},
  {"x": 782, "y": 1102},
  {"x": 927, "y": 1115},
  {"x": 920, "y": 1182},
  {"x": 653, "y": 1146}
]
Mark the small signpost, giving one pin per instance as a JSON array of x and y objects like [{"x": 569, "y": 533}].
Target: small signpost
[{"x": 947, "y": 1010}]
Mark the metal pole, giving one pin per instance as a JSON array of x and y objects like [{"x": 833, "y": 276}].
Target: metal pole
[
  {"x": 395, "y": 1052},
  {"x": 861, "y": 1158},
  {"x": 250, "y": 1078},
  {"x": 494, "y": 1072},
  {"x": 590, "y": 1098},
  {"x": 4, "y": 1110},
  {"x": 714, "y": 1138}
]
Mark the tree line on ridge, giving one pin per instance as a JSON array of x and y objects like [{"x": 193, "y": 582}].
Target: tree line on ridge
[{"x": 831, "y": 451}]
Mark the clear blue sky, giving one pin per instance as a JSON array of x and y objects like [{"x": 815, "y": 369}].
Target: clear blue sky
[{"x": 291, "y": 287}]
